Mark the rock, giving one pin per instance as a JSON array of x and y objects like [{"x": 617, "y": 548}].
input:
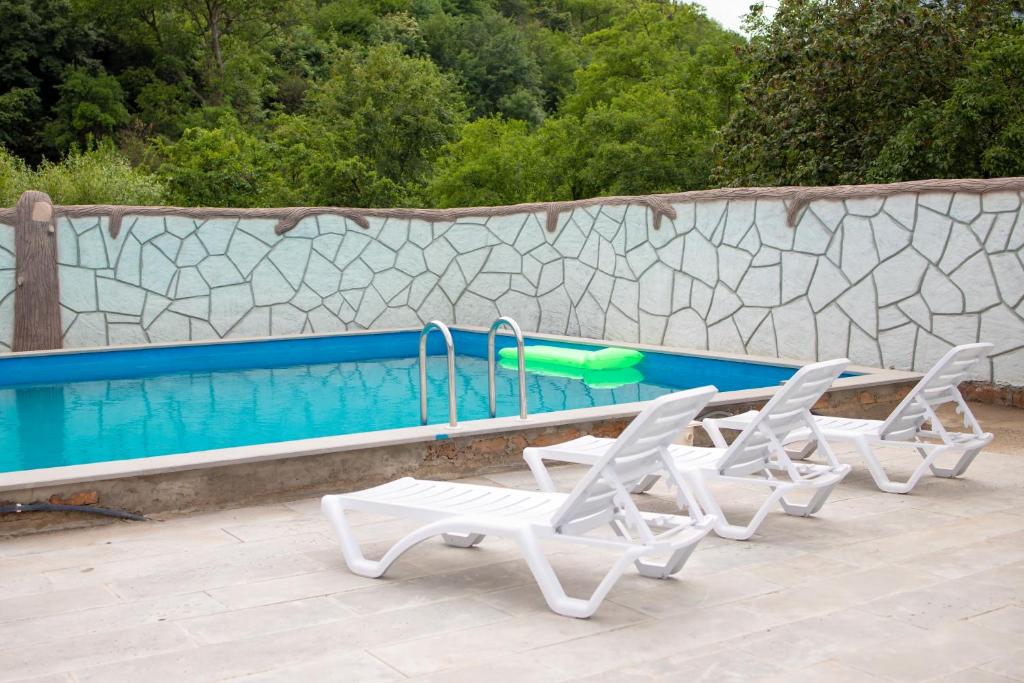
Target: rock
[{"x": 80, "y": 498}]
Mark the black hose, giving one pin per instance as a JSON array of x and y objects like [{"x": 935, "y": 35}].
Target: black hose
[{"x": 52, "y": 507}]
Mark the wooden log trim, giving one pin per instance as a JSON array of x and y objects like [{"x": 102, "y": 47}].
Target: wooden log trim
[
  {"x": 797, "y": 199},
  {"x": 37, "y": 324}
]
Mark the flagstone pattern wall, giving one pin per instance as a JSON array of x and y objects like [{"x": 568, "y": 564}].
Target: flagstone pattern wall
[{"x": 889, "y": 281}]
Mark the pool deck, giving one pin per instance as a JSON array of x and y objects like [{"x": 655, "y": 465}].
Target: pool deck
[{"x": 876, "y": 587}]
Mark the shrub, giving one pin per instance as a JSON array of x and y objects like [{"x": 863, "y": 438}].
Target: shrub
[{"x": 97, "y": 175}]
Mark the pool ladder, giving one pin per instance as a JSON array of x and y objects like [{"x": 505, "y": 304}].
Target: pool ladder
[{"x": 453, "y": 419}]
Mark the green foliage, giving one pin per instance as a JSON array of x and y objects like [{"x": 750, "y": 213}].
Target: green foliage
[
  {"x": 977, "y": 132},
  {"x": 395, "y": 111},
  {"x": 223, "y": 166},
  {"x": 38, "y": 39},
  {"x": 642, "y": 119},
  {"x": 831, "y": 84},
  {"x": 15, "y": 178},
  {"x": 468, "y": 102},
  {"x": 90, "y": 105},
  {"x": 18, "y": 107},
  {"x": 494, "y": 62},
  {"x": 495, "y": 162},
  {"x": 98, "y": 175}
]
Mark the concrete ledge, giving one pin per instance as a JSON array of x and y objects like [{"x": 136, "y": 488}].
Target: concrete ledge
[{"x": 280, "y": 472}]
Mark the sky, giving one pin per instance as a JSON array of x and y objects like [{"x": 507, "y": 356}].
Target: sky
[{"x": 730, "y": 12}]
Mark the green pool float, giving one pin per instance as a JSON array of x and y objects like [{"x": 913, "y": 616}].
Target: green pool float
[
  {"x": 595, "y": 379},
  {"x": 611, "y": 358},
  {"x": 608, "y": 368}
]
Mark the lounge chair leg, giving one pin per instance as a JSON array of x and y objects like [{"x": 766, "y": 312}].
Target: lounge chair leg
[
  {"x": 551, "y": 587},
  {"x": 462, "y": 540},
  {"x": 959, "y": 468},
  {"x": 660, "y": 570},
  {"x": 646, "y": 483},
  {"x": 350, "y": 550},
  {"x": 882, "y": 479},
  {"x": 812, "y": 506},
  {"x": 663, "y": 570},
  {"x": 722, "y": 526},
  {"x": 802, "y": 454},
  {"x": 540, "y": 472}
]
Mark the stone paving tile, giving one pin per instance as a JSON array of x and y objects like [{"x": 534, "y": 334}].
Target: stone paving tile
[
  {"x": 714, "y": 666},
  {"x": 650, "y": 597},
  {"x": 263, "y": 620},
  {"x": 526, "y": 632},
  {"x": 1009, "y": 619},
  {"x": 943, "y": 602},
  {"x": 876, "y": 587},
  {"x": 93, "y": 649},
  {"x": 691, "y": 633},
  {"x": 54, "y": 602},
  {"x": 425, "y": 589},
  {"x": 512, "y": 669},
  {"x": 36, "y": 628},
  {"x": 823, "y": 596},
  {"x": 353, "y": 665},
  {"x": 294, "y": 587},
  {"x": 804, "y": 643},
  {"x": 53, "y": 678},
  {"x": 15, "y": 586},
  {"x": 933, "y": 653},
  {"x": 287, "y": 648},
  {"x": 832, "y": 672},
  {"x": 1010, "y": 667},
  {"x": 973, "y": 676}
]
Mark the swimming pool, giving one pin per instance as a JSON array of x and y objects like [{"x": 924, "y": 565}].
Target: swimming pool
[{"x": 118, "y": 404}]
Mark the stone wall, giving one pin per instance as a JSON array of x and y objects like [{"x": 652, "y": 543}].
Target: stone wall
[{"x": 891, "y": 280}]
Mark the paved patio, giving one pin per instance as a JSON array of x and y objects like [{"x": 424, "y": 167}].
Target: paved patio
[{"x": 877, "y": 587}]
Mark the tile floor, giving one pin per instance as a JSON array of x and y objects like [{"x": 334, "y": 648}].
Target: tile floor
[{"x": 876, "y": 587}]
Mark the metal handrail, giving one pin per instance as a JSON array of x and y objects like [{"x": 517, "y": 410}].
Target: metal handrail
[
  {"x": 491, "y": 400},
  {"x": 453, "y": 419}
]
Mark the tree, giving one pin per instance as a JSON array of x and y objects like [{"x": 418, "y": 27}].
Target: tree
[
  {"x": 18, "y": 110},
  {"x": 91, "y": 104},
  {"x": 831, "y": 83},
  {"x": 495, "y": 162},
  {"x": 644, "y": 118},
  {"x": 395, "y": 111},
  {"x": 222, "y": 166},
  {"x": 492, "y": 61},
  {"x": 38, "y": 39},
  {"x": 977, "y": 132},
  {"x": 653, "y": 41}
]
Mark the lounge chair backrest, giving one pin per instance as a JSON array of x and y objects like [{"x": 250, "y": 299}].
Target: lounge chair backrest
[
  {"x": 787, "y": 410},
  {"x": 640, "y": 450},
  {"x": 938, "y": 386}
]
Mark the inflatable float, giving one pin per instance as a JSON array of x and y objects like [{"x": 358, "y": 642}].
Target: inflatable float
[
  {"x": 611, "y": 358},
  {"x": 608, "y": 368}
]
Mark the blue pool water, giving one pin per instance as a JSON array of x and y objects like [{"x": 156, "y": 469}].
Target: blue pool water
[{"x": 87, "y": 407}]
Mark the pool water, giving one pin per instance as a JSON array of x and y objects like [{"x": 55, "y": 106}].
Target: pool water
[{"x": 64, "y": 409}]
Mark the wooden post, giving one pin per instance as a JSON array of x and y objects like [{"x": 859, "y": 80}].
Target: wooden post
[{"x": 37, "y": 294}]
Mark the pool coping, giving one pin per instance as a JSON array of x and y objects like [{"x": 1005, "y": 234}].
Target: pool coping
[{"x": 235, "y": 455}]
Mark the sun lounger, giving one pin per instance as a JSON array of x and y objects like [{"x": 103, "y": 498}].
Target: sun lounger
[
  {"x": 905, "y": 427},
  {"x": 463, "y": 514},
  {"x": 755, "y": 457}
]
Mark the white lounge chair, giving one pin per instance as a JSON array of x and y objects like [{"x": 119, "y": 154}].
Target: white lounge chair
[
  {"x": 756, "y": 456},
  {"x": 464, "y": 513},
  {"x": 904, "y": 428}
]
